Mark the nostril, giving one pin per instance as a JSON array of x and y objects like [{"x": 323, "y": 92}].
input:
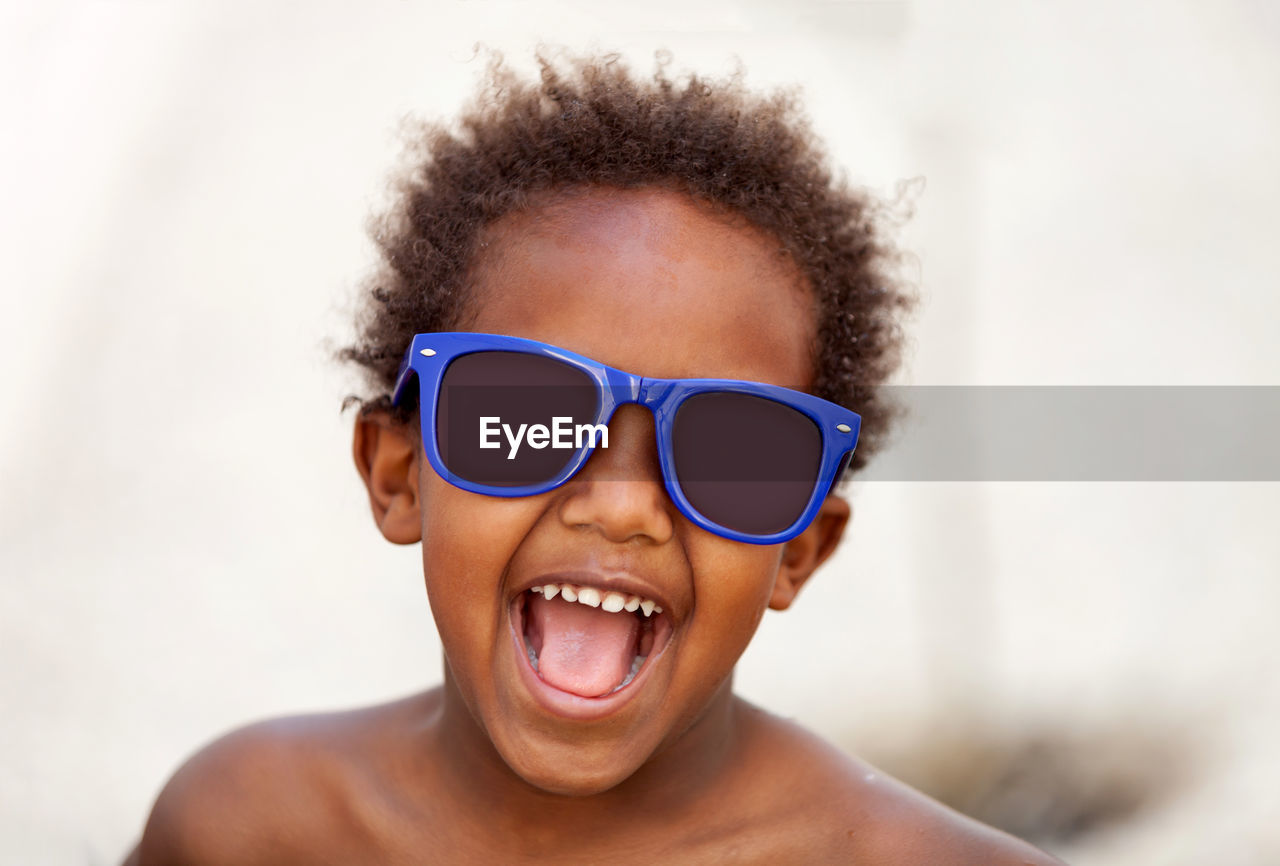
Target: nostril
[{"x": 619, "y": 509}]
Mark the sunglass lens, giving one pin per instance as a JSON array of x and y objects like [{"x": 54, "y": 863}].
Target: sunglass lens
[
  {"x": 745, "y": 462},
  {"x": 509, "y": 419}
]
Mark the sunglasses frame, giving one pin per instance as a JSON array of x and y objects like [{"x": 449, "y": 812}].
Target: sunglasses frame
[{"x": 430, "y": 354}]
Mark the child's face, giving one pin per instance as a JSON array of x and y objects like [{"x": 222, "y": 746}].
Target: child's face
[{"x": 652, "y": 283}]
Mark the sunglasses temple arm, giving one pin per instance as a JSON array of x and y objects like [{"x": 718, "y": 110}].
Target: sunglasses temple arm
[{"x": 403, "y": 377}]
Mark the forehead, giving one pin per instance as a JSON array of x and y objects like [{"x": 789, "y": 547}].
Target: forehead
[{"x": 649, "y": 281}]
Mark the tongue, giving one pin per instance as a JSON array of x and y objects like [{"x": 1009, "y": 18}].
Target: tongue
[{"x": 584, "y": 650}]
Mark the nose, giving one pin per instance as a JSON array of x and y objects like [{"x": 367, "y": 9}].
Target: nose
[{"x": 619, "y": 492}]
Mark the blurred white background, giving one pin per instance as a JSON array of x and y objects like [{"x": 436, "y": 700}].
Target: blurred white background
[{"x": 184, "y": 546}]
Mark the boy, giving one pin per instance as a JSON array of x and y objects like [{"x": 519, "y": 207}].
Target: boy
[{"x": 598, "y": 548}]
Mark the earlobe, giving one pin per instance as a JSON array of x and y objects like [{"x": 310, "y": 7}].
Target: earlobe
[
  {"x": 387, "y": 461},
  {"x": 802, "y": 555}
]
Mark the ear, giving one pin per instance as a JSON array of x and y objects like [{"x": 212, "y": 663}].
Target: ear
[
  {"x": 802, "y": 555},
  {"x": 387, "y": 460}
]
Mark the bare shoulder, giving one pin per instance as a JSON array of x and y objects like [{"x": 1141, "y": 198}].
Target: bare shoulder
[
  {"x": 289, "y": 790},
  {"x": 842, "y": 809}
]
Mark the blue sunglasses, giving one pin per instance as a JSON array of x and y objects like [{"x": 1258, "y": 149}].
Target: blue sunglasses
[{"x": 504, "y": 416}]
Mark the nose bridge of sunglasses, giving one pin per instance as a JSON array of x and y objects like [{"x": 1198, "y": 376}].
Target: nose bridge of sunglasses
[
  {"x": 618, "y": 388},
  {"x": 623, "y": 387},
  {"x": 637, "y": 427},
  {"x": 651, "y": 394}
]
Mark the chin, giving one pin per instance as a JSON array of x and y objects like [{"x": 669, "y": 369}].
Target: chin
[{"x": 569, "y": 772}]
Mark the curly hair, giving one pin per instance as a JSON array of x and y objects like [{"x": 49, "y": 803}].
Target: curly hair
[{"x": 591, "y": 123}]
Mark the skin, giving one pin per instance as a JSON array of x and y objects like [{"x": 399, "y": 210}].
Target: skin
[{"x": 478, "y": 771}]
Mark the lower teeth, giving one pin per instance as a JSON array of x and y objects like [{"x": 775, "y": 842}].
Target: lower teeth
[{"x": 636, "y": 664}]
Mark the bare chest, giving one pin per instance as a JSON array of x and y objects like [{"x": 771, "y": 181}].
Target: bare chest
[{"x": 707, "y": 838}]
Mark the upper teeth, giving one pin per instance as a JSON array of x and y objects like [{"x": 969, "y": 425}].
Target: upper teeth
[{"x": 592, "y": 597}]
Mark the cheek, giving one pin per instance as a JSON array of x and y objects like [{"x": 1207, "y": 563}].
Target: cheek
[
  {"x": 733, "y": 586},
  {"x": 467, "y": 542}
]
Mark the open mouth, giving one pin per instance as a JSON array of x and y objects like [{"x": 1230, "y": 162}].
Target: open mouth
[{"x": 588, "y": 641}]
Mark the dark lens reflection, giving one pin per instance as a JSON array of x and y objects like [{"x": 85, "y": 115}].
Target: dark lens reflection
[
  {"x": 496, "y": 399},
  {"x": 746, "y": 462}
]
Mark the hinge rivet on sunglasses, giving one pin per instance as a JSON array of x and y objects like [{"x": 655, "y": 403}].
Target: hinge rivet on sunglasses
[
  {"x": 428, "y": 352},
  {"x": 843, "y": 428}
]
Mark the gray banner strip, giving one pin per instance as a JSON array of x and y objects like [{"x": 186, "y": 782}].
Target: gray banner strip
[{"x": 1119, "y": 433}]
